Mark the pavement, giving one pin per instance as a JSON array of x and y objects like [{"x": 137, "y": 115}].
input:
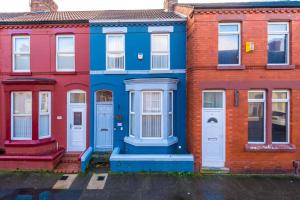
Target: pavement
[{"x": 25, "y": 186}]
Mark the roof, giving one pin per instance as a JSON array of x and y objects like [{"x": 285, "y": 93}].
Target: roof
[
  {"x": 262, "y": 4},
  {"x": 85, "y": 16}
]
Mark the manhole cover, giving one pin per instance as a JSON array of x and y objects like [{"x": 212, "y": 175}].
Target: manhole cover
[
  {"x": 100, "y": 178},
  {"x": 63, "y": 178}
]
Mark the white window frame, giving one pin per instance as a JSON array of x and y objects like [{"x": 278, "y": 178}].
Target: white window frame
[
  {"x": 287, "y": 100},
  {"x": 13, "y": 115},
  {"x": 171, "y": 113},
  {"x": 77, "y": 92},
  {"x": 287, "y": 32},
  {"x": 230, "y": 33},
  {"x": 120, "y": 52},
  {"x": 265, "y": 111},
  {"x": 131, "y": 113},
  {"x": 48, "y": 113},
  {"x": 65, "y": 53},
  {"x": 147, "y": 114},
  {"x": 153, "y": 53},
  {"x": 19, "y": 53}
]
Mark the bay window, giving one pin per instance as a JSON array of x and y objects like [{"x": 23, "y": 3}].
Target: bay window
[
  {"x": 115, "y": 52},
  {"x": 21, "y": 54},
  {"x": 65, "y": 53},
  {"x": 44, "y": 115},
  {"x": 160, "y": 51},
  {"x": 278, "y": 43},
  {"x": 280, "y": 116},
  {"x": 151, "y": 111},
  {"x": 256, "y": 116},
  {"x": 21, "y": 115}
]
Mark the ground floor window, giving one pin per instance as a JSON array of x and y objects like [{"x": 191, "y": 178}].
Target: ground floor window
[
  {"x": 21, "y": 115},
  {"x": 279, "y": 115}
]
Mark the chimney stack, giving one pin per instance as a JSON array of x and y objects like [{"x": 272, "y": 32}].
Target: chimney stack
[
  {"x": 169, "y": 4},
  {"x": 43, "y": 6}
]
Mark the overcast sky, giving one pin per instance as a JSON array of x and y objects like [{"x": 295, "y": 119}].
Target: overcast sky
[{"x": 23, "y": 5}]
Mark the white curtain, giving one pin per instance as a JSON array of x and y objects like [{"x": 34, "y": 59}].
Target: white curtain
[
  {"x": 160, "y": 51},
  {"x": 115, "y": 51}
]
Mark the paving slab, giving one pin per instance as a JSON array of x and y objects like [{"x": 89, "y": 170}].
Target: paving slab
[{"x": 65, "y": 184}]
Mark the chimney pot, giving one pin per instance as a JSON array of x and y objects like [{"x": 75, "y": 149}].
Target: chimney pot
[{"x": 43, "y": 6}]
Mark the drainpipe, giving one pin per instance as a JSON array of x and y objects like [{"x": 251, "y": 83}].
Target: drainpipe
[{"x": 296, "y": 165}]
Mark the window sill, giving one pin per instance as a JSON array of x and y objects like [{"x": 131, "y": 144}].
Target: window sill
[
  {"x": 270, "y": 147},
  {"x": 231, "y": 67},
  {"x": 20, "y": 74},
  {"x": 64, "y": 73},
  {"x": 270, "y": 66},
  {"x": 28, "y": 143},
  {"x": 151, "y": 142},
  {"x": 115, "y": 72}
]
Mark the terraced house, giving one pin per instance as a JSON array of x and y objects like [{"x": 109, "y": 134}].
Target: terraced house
[{"x": 243, "y": 85}]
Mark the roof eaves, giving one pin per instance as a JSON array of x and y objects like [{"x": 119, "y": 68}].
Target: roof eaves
[{"x": 137, "y": 20}]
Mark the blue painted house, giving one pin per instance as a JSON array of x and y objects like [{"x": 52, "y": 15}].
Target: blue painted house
[{"x": 138, "y": 90}]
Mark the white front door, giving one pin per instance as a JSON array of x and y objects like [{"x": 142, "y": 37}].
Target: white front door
[
  {"x": 213, "y": 129},
  {"x": 76, "y": 122},
  {"x": 104, "y": 120}
]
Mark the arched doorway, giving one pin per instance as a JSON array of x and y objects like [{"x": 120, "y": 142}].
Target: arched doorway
[{"x": 103, "y": 120}]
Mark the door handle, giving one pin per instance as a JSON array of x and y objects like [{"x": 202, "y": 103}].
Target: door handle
[{"x": 71, "y": 126}]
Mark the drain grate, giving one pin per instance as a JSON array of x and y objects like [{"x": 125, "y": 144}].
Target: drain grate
[
  {"x": 100, "y": 178},
  {"x": 63, "y": 178}
]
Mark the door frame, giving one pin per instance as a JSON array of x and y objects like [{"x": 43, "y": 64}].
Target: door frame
[
  {"x": 69, "y": 115},
  {"x": 95, "y": 120},
  {"x": 224, "y": 122}
]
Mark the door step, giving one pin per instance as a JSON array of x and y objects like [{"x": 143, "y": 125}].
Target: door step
[
  {"x": 69, "y": 164},
  {"x": 215, "y": 170}
]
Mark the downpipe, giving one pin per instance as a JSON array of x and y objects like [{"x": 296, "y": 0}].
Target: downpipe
[{"x": 296, "y": 165}]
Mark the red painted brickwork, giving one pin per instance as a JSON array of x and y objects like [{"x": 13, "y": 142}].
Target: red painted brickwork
[{"x": 203, "y": 74}]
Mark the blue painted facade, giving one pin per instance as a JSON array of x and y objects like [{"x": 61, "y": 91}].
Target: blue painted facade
[{"x": 137, "y": 41}]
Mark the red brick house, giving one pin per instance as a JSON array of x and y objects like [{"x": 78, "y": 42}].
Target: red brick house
[
  {"x": 44, "y": 90},
  {"x": 243, "y": 85}
]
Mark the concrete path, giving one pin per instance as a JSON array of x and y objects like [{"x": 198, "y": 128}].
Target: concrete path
[{"x": 152, "y": 187}]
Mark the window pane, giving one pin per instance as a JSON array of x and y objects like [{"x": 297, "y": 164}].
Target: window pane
[
  {"x": 66, "y": 61},
  {"x": 132, "y": 124},
  {"x": 22, "y": 62},
  {"x": 77, "y": 118},
  {"x": 77, "y": 98},
  {"x": 279, "y": 95},
  {"x": 115, "y": 61},
  {"x": 151, "y": 126},
  {"x": 44, "y": 126},
  {"x": 229, "y": 49},
  {"x": 22, "y": 102},
  {"x": 115, "y": 43},
  {"x": 256, "y": 122},
  {"x": 229, "y": 28},
  {"x": 277, "y": 27},
  {"x": 22, "y": 45},
  {"x": 213, "y": 100},
  {"x": 151, "y": 102},
  {"x": 277, "y": 49},
  {"x": 160, "y": 61},
  {"x": 131, "y": 102},
  {"x": 279, "y": 122},
  {"x": 22, "y": 126},
  {"x": 256, "y": 95},
  {"x": 160, "y": 43},
  {"x": 104, "y": 96},
  {"x": 66, "y": 45},
  {"x": 44, "y": 103}
]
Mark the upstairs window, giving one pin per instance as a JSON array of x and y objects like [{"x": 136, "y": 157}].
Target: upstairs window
[
  {"x": 229, "y": 44},
  {"x": 21, "y": 54},
  {"x": 65, "y": 53},
  {"x": 115, "y": 52},
  {"x": 278, "y": 43},
  {"x": 256, "y": 116},
  {"x": 160, "y": 51}
]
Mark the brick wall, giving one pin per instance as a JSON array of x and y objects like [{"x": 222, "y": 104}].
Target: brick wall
[{"x": 203, "y": 74}]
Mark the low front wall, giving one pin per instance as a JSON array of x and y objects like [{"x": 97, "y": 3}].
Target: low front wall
[{"x": 150, "y": 162}]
